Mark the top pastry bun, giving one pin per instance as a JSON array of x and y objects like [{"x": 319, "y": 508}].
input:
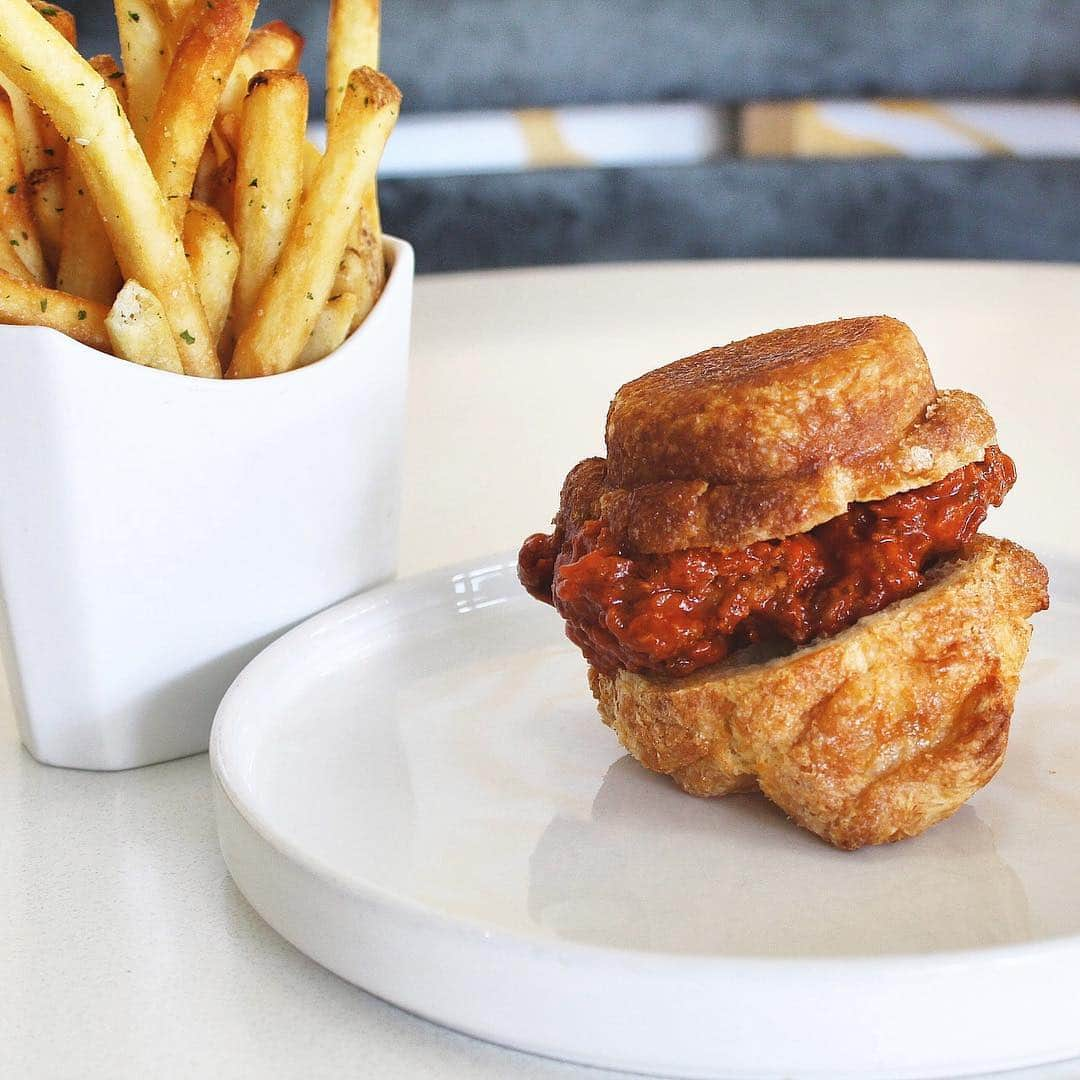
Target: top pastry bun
[{"x": 772, "y": 435}]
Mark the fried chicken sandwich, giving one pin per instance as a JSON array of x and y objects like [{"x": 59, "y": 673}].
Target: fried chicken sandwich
[{"x": 777, "y": 579}]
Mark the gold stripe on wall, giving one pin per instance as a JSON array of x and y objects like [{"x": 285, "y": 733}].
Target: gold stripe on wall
[
  {"x": 814, "y": 137},
  {"x": 796, "y": 129},
  {"x": 544, "y": 142},
  {"x": 932, "y": 111}
]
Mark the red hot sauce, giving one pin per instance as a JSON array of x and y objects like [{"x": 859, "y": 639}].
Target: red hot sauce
[{"x": 675, "y": 613}]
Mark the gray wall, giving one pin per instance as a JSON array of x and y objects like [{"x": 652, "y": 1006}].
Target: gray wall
[
  {"x": 471, "y": 53},
  {"x": 449, "y": 54}
]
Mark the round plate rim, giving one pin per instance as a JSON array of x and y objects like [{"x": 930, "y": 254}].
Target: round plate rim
[{"x": 928, "y": 963}]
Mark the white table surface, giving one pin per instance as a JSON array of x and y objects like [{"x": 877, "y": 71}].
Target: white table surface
[{"x": 125, "y": 949}]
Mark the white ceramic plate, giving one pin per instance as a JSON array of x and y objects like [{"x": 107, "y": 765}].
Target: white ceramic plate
[{"x": 415, "y": 789}]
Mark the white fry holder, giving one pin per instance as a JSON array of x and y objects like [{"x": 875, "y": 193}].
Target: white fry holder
[{"x": 156, "y": 531}]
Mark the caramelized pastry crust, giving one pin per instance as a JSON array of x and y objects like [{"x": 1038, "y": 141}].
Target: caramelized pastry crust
[
  {"x": 771, "y": 407},
  {"x": 671, "y": 515},
  {"x": 864, "y": 738}
]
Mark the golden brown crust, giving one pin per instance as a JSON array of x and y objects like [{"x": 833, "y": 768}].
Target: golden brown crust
[
  {"x": 865, "y": 738},
  {"x": 771, "y": 407},
  {"x": 771, "y": 436},
  {"x": 951, "y": 432},
  {"x": 579, "y": 500}
]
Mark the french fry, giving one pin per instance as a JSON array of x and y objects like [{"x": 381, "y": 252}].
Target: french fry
[
  {"x": 216, "y": 162},
  {"x": 11, "y": 264},
  {"x": 139, "y": 331},
  {"x": 26, "y": 303},
  {"x": 289, "y": 304},
  {"x": 171, "y": 10},
  {"x": 18, "y": 232},
  {"x": 42, "y": 159},
  {"x": 60, "y": 19},
  {"x": 47, "y": 179},
  {"x": 86, "y": 111},
  {"x": 352, "y": 42},
  {"x": 273, "y": 47},
  {"x": 46, "y": 190},
  {"x": 217, "y": 175},
  {"x": 203, "y": 188},
  {"x": 223, "y": 188},
  {"x": 144, "y": 51},
  {"x": 363, "y": 268},
  {"x": 269, "y": 180},
  {"x": 88, "y": 266},
  {"x": 107, "y": 67},
  {"x": 331, "y": 329},
  {"x": 312, "y": 157},
  {"x": 49, "y": 184},
  {"x": 220, "y": 147},
  {"x": 42, "y": 149},
  {"x": 189, "y": 98},
  {"x": 214, "y": 258},
  {"x": 175, "y": 17}
]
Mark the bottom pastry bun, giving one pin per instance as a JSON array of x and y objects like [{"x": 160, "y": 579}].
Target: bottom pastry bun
[{"x": 864, "y": 738}]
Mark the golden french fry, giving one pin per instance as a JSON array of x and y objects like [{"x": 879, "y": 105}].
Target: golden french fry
[
  {"x": 11, "y": 264},
  {"x": 273, "y": 47},
  {"x": 176, "y": 17},
  {"x": 139, "y": 331},
  {"x": 363, "y": 268},
  {"x": 26, "y": 303},
  {"x": 227, "y": 128},
  {"x": 42, "y": 164},
  {"x": 171, "y": 10},
  {"x": 220, "y": 146},
  {"x": 331, "y": 329},
  {"x": 42, "y": 149},
  {"x": 312, "y": 158},
  {"x": 222, "y": 188},
  {"x": 352, "y": 42},
  {"x": 269, "y": 180},
  {"x": 290, "y": 302},
  {"x": 214, "y": 257},
  {"x": 189, "y": 98},
  {"x": 144, "y": 50},
  {"x": 61, "y": 20},
  {"x": 45, "y": 187},
  {"x": 18, "y": 232},
  {"x": 215, "y": 175},
  {"x": 203, "y": 188},
  {"x": 107, "y": 67},
  {"x": 226, "y": 344},
  {"x": 86, "y": 110},
  {"x": 88, "y": 266},
  {"x": 177, "y": 26},
  {"x": 48, "y": 182}
]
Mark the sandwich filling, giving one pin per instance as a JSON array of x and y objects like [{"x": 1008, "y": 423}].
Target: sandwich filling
[{"x": 673, "y": 614}]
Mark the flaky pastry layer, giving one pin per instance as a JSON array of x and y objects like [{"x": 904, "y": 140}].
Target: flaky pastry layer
[
  {"x": 771, "y": 407},
  {"x": 867, "y": 737},
  {"x": 953, "y": 431}
]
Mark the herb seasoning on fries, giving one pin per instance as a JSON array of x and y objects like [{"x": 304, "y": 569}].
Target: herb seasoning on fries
[{"x": 172, "y": 211}]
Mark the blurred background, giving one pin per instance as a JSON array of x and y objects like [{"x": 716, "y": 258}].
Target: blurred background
[{"x": 559, "y": 131}]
